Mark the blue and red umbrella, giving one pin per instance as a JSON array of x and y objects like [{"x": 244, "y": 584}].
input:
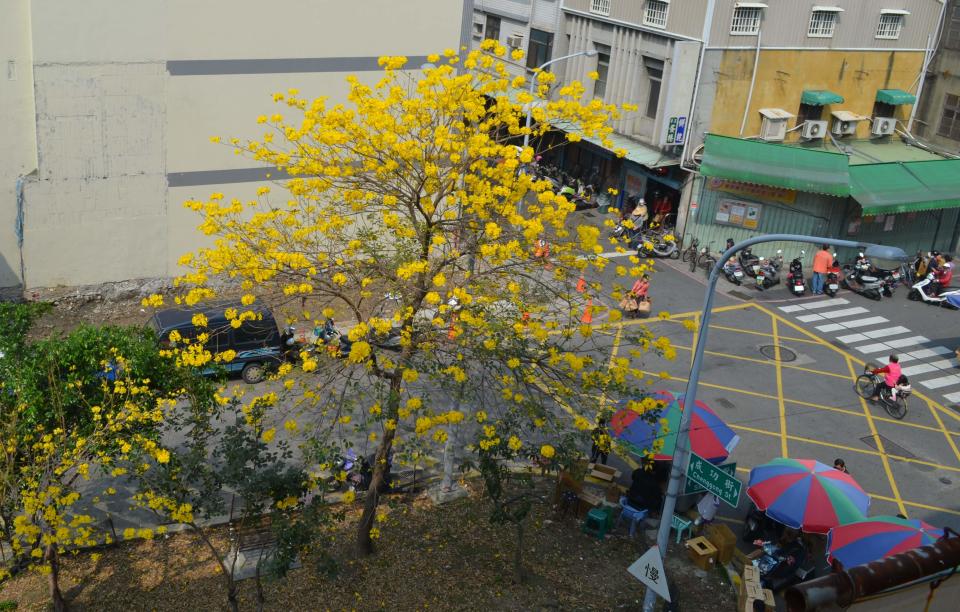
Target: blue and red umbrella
[
  {"x": 878, "y": 537},
  {"x": 710, "y": 437},
  {"x": 807, "y": 495}
]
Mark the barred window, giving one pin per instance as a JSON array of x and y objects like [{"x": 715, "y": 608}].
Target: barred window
[
  {"x": 746, "y": 20},
  {"x": 822, "y": 24},
  {"x": 655, "y": 13},
  {"x": 600, "y": 7},
  {"x": 950, "y": 119},
  {"x": 889, "y": 26}
]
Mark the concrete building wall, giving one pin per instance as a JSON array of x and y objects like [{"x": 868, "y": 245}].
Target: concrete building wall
[
  {"x": 782, "y": 75},
  {"x": 684, "y": 17},
  {"x": 943, "y": 79},
  {"x": 18, "y": 151},
  {"x": 127, "y": 94}
]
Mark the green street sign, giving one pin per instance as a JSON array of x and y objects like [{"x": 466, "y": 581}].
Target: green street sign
[
  {"x": 714, "y": 479},
  {"x": 692, "y": 488}
]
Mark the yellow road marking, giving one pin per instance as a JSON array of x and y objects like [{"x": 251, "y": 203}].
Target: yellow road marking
[
  {"x": 696, "y": 335},
  {"x": 745, "y": 331},
  {"x": 765, "y": 362},
  {"x": 880, "y": 448},
  {"x": 934, "y": 405},
  {"x": 917, "y": 505},
  {"x": 780, "y": 404},
  {"x": 850, "y": 449},
  {"x": 946, "y": 432}
]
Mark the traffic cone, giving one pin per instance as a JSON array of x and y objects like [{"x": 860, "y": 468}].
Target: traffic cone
[
  {"x": 587, "y": 317},
  {"x": 581, "y": 284}
]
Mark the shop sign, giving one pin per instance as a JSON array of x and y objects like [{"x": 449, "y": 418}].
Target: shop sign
[
  {"x": 739, "y": 214},
  {"x": 760, "y": 192},
  {"x": 676, "y": 130}
]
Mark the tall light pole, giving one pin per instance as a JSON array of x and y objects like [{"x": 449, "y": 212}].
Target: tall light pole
[
  {"x": 533, "y": 83},
  {"x": 682, "y": 451}
]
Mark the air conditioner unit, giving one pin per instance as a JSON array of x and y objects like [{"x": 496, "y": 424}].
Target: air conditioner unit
[
  {"x": 845, "y": 123},
  {"x": 883, "y": 126},
  {"x": 773, "y": 129},
  {"x": 515, "y": 41},
  {"x": 773, "y": 125},
  {"x": 814, "y": 129}
]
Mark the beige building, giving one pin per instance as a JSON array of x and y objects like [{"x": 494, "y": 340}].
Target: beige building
[
  {"x": 108, "y": 107},
  {"x": 938, "y": 117}
]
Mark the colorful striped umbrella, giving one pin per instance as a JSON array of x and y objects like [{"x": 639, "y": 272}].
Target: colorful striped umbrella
[
  {"x": 806, "y": 494},
  {"x": 878, "y": 537},
  {"x": 710, "y": 437}
]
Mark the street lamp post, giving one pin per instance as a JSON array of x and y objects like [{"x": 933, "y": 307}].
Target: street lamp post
[
  {"x": 682, "y": 449},
  {"x": 533, "y": 83}
]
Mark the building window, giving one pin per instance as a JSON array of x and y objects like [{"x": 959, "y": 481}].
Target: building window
[
  {"x": 890, "y": 25},
  {"x": 492, "y": 31},
  {"x": 809, "y": 112},
  {"x": 746, "y": 20},
  {"x": 822, "y": 24},
  {"x": 951, "y": 34},
  {"x": 655, "y": 74},
  {"x": 950, "y": 119},
  {"x": 600, "y": 7},
  {"x": 539, "y": 49},
  {"x": 603, "y": 67},
  {"x": 655, "y": 13}
]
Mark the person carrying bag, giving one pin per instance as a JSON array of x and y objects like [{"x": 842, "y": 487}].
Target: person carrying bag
[{"x": 636, "y": 302}]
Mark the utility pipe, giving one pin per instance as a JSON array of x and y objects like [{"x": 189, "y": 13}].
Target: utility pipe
[{"x": 753, "y": 80}]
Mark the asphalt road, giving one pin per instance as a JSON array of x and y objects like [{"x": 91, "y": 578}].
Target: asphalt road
[{"x": 803, "y": 405}]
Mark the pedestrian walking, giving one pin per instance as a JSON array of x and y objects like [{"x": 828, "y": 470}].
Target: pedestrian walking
[
  {"x": 821, "y": 264},
  {"x": 839, "y": 464},
  {"x": 601, "y": 443}
]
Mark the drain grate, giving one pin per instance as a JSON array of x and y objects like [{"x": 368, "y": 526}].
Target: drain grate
[
  {"x": 890, "y": 447},
  {"x": 945, "y": 480},
  {"x": 726, "y": 403},
  {"x": 770, "y": 352}
]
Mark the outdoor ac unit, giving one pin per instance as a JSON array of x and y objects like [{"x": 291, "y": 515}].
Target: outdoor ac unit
[
  {"x": 814, "y": 129},
  {"x": 773, "y": 129},
  {"x": 883, "y": 126},
  {"x": 515, "y": 41},
  {"x": 844, "y": 128}
]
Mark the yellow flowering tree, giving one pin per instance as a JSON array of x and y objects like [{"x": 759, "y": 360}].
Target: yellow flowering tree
[
  {"x": 407, "y": 216},
  {"x": 74, "y": 407}
]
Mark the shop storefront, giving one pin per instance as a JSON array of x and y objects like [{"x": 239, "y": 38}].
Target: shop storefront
[{"x": 747, "y": 188}]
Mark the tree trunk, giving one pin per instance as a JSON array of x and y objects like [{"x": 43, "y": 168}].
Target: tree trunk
[
  {"x": 364, "y": 541},
  {"x": 518, "y": 576},
  {"x": 56, "y": 597}
]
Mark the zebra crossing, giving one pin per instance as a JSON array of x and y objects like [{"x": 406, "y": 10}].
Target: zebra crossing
[{"x": 926, "y": 363}]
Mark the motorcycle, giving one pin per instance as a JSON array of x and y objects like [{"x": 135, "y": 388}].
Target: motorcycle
[
  {"x": 796, "y": 282},
  {"x": 767, "y": 274},
  {"x": 926, "y": 291},
  {"x": 746, "y": 257},
  {"x": 657, "y": 244},
  {"x": 833, "y": 280},
  {"x": 869, "y": 284},
  {"x": 733, "y": 271}
]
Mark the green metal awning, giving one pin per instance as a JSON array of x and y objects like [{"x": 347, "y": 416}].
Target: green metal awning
[
  {"x": 820, "y": 97},
  {"x": 895, "y": 97},
  {"x": 764, "y": 163},
  {"x": 906, "y": 187}
]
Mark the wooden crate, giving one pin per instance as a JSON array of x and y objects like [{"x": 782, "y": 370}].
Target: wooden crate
[
  {"x": 702, "y": 552},
  {"x": 724, "y": 539}
]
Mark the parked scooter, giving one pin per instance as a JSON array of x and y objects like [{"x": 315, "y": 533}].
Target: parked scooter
[
  {"x": 733, "y": 271},
  {"x": 796, "y": 283},
  {"x": 870, "y": 284},
  {"x": 925, "y": 291},
  {"x": 767, "y": 274},
  {"x": 833, "y": 279}
]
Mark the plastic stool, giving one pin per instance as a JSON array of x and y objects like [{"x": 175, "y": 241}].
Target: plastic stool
[
  {"x": 681, "y": 525},
  {"x": 598, "y": 522},
  {"x": 630, "y": 513}
]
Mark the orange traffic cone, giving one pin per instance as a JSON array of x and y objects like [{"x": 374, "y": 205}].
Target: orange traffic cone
[
  {"x": 581, "y": 284},
  {"x": 587, "y": 317}
]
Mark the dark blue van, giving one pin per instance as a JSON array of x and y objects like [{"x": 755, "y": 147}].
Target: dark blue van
[{"x": 257, "y": 343}]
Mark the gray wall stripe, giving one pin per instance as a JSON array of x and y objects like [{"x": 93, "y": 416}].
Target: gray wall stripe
[
  {"x": 223, "y": 177},
  {"x": 281, "y": 65}
]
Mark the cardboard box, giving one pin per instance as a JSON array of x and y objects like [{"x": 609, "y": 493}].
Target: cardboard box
[
  {"x": 601, "y": 472},
  {"x": 702, "y": 553},
  {"x": 614, "y": 492},
  {"x": 724, "y": 539},
  {"x": 751, "y": 575},
  {"x": 741, "y": 560},
  {"x": 769, "y": 604}
]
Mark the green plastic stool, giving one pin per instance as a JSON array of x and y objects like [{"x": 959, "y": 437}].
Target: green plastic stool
[{"x": 597, "y": 522}]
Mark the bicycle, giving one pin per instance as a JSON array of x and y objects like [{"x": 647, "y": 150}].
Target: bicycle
[
  {"x": 690, "y": 253},
  {"x": 869, "y": 384},
  {"x": 705, "y": 259}
]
